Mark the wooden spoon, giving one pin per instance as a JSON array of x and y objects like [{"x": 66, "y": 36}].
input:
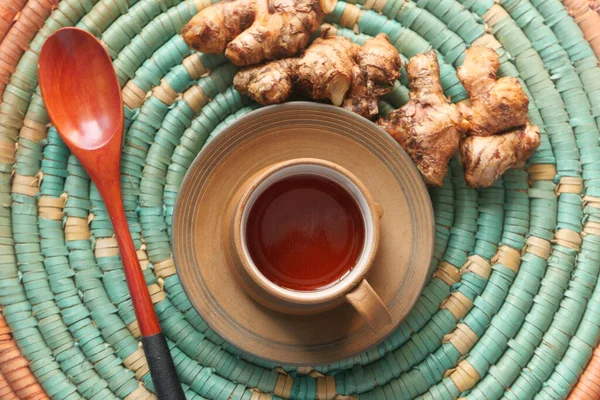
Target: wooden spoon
[{"x": 83, "y": 99}]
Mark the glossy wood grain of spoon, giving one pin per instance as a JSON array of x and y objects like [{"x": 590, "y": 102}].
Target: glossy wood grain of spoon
[{"x": 83, "y": 100}]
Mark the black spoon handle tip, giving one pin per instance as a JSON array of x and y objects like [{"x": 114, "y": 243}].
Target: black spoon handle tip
[{"x": 162, "y": 369}]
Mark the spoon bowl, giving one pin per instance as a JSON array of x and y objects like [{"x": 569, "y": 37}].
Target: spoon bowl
[{"x": 88, "y": 112}]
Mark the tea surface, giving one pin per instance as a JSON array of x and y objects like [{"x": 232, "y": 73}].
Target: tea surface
[{"x": 305, "y": 232}]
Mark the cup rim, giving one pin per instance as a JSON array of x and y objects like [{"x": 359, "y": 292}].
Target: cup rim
[{"x": 335, "y": 290}]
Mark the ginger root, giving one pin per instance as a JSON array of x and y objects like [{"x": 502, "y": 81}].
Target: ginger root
[
  {"x": 496, "y": 105},
  {"x": 333, "y": 69},
  {"x": 250, "y": 31},
  {"x": 428, "y": 127},
  {"x": 500, "y": 134},
  {"x": 486, "y": 158}
]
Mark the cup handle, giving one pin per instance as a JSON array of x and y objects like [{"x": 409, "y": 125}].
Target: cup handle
[{"x": 368, "y": 304}]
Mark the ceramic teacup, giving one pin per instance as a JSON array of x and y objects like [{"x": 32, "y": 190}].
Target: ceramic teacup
[{"x": 352, "y": 287}]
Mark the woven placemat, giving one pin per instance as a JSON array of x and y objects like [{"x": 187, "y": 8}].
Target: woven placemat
[{"x": 513, "y": 307}]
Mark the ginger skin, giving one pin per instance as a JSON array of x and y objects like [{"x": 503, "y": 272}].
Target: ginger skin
[
  {"x": 428, "y": 127},
  {"x": 496, "y": 105},
  {"x": 486, "y": 158},
  {"x": 500, "y": 134},
  {"x": 333, "y": 69},
  {"x": 250, "y": 31}
]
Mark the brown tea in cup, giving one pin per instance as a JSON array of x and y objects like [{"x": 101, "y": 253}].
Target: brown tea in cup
[
  {"x": 305, "y": 232},
  {"x": 302, "y": 234}
]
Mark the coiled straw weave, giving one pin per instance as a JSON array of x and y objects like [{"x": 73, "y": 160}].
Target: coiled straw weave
[{"x": 513, "y": 307}]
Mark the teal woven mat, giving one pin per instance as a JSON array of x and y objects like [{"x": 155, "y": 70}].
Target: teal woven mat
[{"x": 513, "y": 302}]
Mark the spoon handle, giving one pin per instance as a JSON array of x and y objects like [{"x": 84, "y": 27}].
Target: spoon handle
[{"x": 155, "y": 345}]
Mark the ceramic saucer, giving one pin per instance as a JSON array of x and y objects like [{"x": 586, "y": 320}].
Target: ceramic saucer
[{"x": 279, "y": 133}]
